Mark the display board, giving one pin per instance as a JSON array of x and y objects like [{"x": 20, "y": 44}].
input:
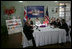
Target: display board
[
  {"x": 14, "y": 26},
  {"x": 35, "y": 11}
]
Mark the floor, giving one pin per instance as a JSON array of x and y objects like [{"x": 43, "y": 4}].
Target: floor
[{"x": 14, "y": 41}]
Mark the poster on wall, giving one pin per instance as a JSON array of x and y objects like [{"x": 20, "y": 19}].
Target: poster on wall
[
  {"x": 14, "y": 26},
  {"x": 35, "y": 11}
]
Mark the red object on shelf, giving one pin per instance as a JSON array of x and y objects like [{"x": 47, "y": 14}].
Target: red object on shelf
[
  {"x": 12, "y": 10},
  {"x": 6, "y": 11},
  {"x": 9, "y": 11}
]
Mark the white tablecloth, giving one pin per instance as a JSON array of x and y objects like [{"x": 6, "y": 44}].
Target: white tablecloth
[{"x": 46, "y": 36}]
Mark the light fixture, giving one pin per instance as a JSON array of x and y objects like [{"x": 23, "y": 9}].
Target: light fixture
[
  {"x": 55, "y": 1},
  {"x": 20, "y": 1}
]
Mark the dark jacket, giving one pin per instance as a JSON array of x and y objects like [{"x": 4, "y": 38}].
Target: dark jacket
[
  {"x": 28, "y": 31},
  {"x": 53, "y": 23},
  {"x": 58, "y": 24},
  {"x": 65, "y": 26}
]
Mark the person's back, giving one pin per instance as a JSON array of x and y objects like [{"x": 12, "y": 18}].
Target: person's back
[
  {"x": 28, "y": 31},
  {"x": 64, "y": 26}
]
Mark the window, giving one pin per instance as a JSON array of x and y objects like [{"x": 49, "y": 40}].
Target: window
[
  {"x": 67, "y": 12},
  {"x": 64, "y": 10},
  {"x": 61, "y": 10}
]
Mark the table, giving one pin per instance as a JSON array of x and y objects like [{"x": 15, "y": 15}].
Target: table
[{"x": 46, "y": 36}]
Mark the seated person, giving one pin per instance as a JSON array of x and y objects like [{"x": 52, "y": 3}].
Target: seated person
[
  {"x": 53, "y": 22},
  {"x": 64, "y": 26},
  {"x": 58, "y": 23},
  {"x": 46, "y": 22},
  {"x": 37, "y": 22}
]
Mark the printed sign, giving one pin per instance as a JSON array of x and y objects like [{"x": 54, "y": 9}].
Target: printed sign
[
  {"x": 35, "y": 11},
  {"x": 14, "y": 26}
]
